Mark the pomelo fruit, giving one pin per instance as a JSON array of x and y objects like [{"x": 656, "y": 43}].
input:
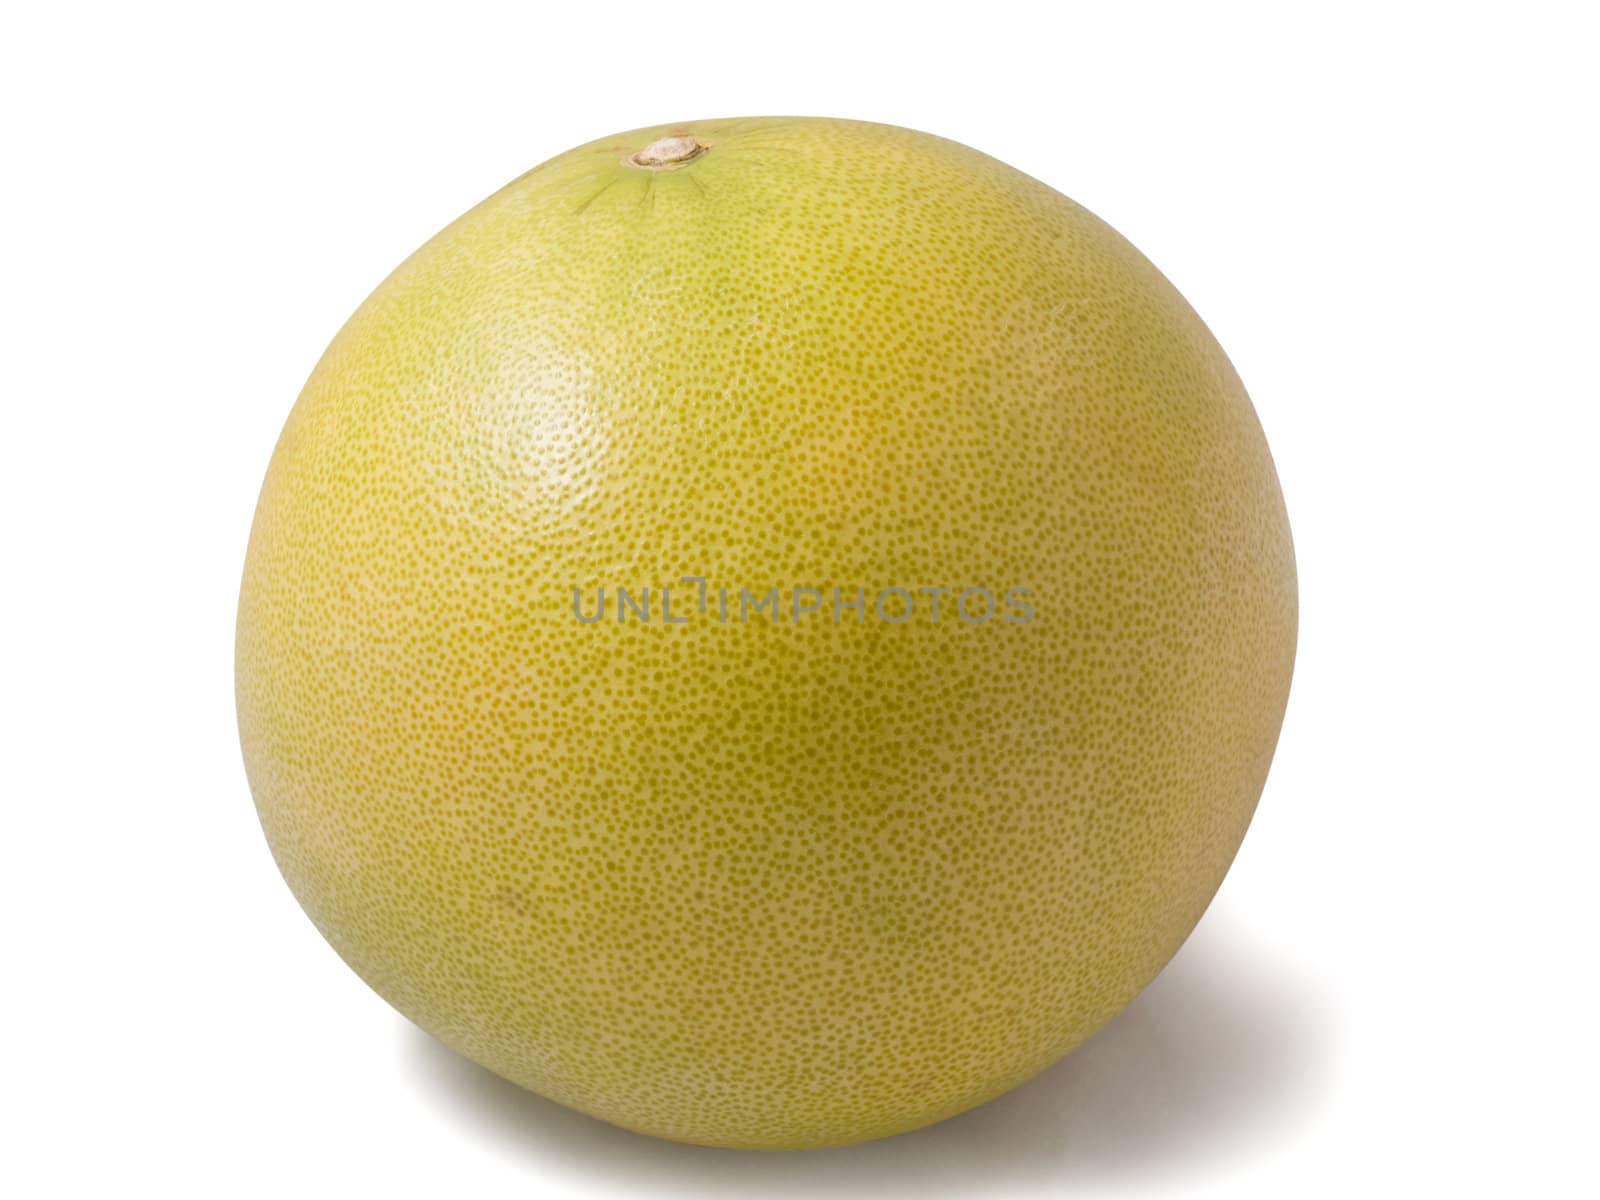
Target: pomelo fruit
[{"x": 546, "y": 760}]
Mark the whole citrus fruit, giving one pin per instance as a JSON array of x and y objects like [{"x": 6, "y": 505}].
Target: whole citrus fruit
[{"x": 768, "y": 632}]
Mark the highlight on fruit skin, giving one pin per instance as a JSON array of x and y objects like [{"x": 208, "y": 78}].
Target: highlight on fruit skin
[{"x": 803, "y": 879}]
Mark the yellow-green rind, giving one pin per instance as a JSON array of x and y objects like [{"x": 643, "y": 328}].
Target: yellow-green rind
[{"x": 765, "y": 885}]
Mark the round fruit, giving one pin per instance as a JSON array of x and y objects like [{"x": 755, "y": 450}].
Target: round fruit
[{"x": 768, "y": 632}]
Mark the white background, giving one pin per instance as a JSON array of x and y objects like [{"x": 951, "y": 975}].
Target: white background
[{"x": 1387, "y": 214}]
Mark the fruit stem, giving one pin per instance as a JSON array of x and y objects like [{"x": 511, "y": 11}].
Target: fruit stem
[{"x": 663, "y": 154}]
